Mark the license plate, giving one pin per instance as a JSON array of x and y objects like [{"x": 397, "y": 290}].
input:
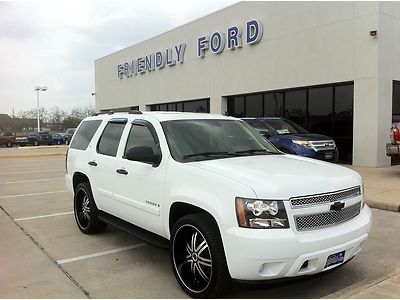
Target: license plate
[
  {"x": 335, "y": 259},
  {"x": 328, "y": 155}
]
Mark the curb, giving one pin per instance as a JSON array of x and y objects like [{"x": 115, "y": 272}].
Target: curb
[
  {"x": 390, "y": 206},
  {"x": 32, "y": 155},
  {"x": 42, "y": 147}
]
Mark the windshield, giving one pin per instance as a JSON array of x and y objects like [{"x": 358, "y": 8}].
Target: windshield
[
  {"x": 282, "y": 126},
  {"x": 193, "y": 140}
]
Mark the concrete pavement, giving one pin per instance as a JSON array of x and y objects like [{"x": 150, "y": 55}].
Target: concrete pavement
[{"x": 381, "y": 186}]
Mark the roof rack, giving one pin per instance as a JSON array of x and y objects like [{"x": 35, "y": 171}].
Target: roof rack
[{"x": 111, "y": 112}]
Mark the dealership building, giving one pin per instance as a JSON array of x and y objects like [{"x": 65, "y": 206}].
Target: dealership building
[{"x": 332, "y": 67}]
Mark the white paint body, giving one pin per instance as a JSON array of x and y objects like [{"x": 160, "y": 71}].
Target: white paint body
[{"x": 212, "y": 185}]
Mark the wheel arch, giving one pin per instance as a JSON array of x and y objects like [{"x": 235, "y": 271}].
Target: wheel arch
[
  {"x": 78, "y": 178},
  {"x": 181, "y": 209}
]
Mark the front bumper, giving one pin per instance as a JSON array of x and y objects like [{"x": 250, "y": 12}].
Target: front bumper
[{"x": 260, "y": 254}]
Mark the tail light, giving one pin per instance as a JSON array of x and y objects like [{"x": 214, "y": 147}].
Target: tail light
[{"x": 396, "y": 134}]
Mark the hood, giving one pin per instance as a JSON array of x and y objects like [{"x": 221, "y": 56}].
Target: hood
[
  {"x": 306, "y": 137},
  {"x": 282, "y": 176}
]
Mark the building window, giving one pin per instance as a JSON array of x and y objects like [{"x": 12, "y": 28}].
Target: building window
[
  {"x": 201, "y": 106},
  {"x": 273, "y": 104},
  {"x": 295, "y": 106},
  {"x": 396, "y": 102},
  {"x": 320, "y": 105},
  {"x": 325, "y": 109},
  {"x": 254, "y": 105}
]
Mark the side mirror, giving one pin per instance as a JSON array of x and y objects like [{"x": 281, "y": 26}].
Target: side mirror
[{"x": 143, "y": 154}]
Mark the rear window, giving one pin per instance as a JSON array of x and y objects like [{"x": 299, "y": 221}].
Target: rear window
[{"x": 85, "y": 134}]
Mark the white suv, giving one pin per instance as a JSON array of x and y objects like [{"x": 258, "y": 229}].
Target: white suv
[{"x": 226, "y": 202}]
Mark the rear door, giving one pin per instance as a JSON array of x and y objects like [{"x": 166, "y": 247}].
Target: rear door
[{"x": 102, "y": 164}]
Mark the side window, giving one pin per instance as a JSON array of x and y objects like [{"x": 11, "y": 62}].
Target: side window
[
  {"x": 109, "y": 140},
  {"x": 141, "y": 135},
  {"x": 85, "y": 134}
]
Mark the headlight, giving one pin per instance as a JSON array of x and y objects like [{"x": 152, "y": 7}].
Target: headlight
[
  {"x": 301, "y": 143},
  {"x": 255, "y": 213}
]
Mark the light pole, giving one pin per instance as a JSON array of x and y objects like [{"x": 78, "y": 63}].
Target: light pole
[{"x": 37, "y": 89}]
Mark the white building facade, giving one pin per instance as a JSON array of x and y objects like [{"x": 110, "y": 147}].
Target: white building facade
[{"x": 332, "y": 67}]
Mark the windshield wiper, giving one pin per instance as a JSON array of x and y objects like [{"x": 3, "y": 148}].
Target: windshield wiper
[
  {"x": 253, "y": 151},
  {"x": 205, "y": 154}
]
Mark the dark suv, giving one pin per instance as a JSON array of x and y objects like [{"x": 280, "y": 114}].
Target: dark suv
[
  {"x": 291, "y": 138},
  {"x": 41, "y": 138}
]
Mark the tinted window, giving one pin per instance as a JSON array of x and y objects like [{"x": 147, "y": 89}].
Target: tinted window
[
  {"x": 85, "y": 134},
  {"x": 196, "y": 106},
  {"x": 273, "y": 105},
  {"x": 320, "y": 105},
  {"x": 396, "y": 102},
  {"x": 254, "y": 106},
  {"x": 140, "y": 135},
  {"x": 109, "y": 140},
  {"x": 295, "y": 106}
]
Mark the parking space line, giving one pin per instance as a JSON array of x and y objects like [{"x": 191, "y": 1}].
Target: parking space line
[
  {"x": 44, "y": 216},
  {"x": 34, "y": 194},
  {"x": 78, "y": 258},
  {"x": 28, "y": 172},
  {"x": 34, "y": 180}
]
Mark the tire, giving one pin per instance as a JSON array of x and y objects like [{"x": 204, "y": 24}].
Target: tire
[
  {"x": 85, "y": 210},
  {"x": 198, "y": 258},
  {"x": 66, "y": 142},
  {"x": 58, "y": 142},
  {"x": 9, "y": 144},
  {"x": 36, "y": 143}
]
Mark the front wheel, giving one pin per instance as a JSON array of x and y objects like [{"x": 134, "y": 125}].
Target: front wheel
[
  {"x": 198, "y": 257},
  {"x": 85, "y": 210}
]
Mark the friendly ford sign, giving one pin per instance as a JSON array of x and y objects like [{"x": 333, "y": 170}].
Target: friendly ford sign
[{"x": 215, "y": 43}]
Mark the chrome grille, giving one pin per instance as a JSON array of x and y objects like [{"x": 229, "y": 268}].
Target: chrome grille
[
  {"x": 322, "y": 145},
  {"x": 327, "y": 219},
  {"x": 299, "y": 202}
]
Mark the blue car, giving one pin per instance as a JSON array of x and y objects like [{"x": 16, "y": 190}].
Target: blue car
[
  {"x": 58, "y": 138},
  {"x": 291, "y": 138}
]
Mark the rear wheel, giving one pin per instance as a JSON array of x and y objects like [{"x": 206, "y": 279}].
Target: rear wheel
[
  {"x": 58, "y": 142},
  {"x": 198, "y": 257},
  {"x": 85, "y": 210},
  {"x": 66, "y": 142},
  {"x": 9, "y": 144},
  {"x": 36, "y": 143}
]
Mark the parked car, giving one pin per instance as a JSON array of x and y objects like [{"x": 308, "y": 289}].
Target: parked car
[
  {"x": 225, "y": 201},
  {"x": 69, "y": 133},
  {"x": 58, "y": 138},
  {"x": 291, "y": 138},
  {"x": 393, "y": 148},
  {"x": 7, "y": 138},
  {"x": 36, "y": 139}
]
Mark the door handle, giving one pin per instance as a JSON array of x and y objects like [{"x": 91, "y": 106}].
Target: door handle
[
  {"x": 92, "y": 163},
  {"x": 122, "y": 171}
]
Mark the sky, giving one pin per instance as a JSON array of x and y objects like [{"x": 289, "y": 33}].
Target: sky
[{"x": 55, "y": 43}]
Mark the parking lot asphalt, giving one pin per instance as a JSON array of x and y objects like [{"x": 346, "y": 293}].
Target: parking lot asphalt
[{"x": 44, "y": 255}]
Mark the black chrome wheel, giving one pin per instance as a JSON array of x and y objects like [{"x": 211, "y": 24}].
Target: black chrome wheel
[
  {"x": 198, "y": 256},
  {"x": 82, "y": 208},
  {"x": 192, "y": 258},
  {"x": 85, "y": 210}
]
